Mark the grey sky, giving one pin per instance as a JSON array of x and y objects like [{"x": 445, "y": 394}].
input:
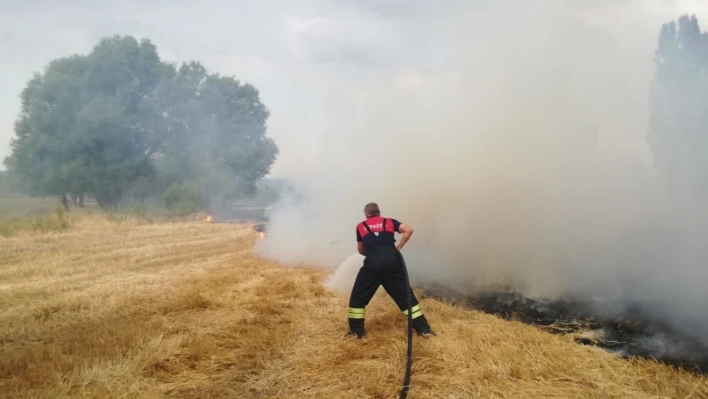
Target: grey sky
[{"x": 300, "y": 54}]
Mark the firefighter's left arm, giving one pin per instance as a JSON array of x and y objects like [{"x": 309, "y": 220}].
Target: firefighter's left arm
[{"x": 406, "y": 231}]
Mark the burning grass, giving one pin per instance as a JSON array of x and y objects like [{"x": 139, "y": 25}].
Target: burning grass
[{"x": 134, "y": 309}]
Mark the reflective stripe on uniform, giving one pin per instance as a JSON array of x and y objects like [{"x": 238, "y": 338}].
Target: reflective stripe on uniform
[
  {"x": 417, "y": 311},
  {"x": 357, "y": 313}
]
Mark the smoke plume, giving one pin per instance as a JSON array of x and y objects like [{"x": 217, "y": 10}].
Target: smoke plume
[{"x": 516, "y": 151}]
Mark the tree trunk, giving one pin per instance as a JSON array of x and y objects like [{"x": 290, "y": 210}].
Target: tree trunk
[
  {"x": 108, "y": 199},
  {"x": 81, "y": 200},
  {"x": 64, "y": 201}
]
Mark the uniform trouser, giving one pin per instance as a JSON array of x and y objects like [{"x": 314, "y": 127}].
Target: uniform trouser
[{"x": 389, "y": 272}]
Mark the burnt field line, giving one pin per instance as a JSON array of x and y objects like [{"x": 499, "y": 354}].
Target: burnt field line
[{"x": 634, "y": 332}]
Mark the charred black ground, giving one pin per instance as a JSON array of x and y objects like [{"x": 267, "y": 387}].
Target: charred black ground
[{"x": 633, "y": 333}]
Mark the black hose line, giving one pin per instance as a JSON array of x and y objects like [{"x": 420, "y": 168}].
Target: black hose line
[{"x": 409, "y": 362}]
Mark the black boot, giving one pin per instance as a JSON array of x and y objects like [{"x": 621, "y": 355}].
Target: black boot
[
  {"x": 356, "y": 328},
  {"x": 421, "y": 327}
]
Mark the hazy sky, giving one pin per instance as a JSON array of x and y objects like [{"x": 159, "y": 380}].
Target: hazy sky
[{"x": 303, "y": 54}]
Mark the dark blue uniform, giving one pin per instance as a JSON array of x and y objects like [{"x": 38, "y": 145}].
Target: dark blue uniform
[
  {"x": 382, "y": 235},
  {"x": 382, "y": 266}
]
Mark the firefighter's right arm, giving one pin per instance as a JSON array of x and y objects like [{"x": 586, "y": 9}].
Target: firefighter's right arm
[
  {"x": 406, "y": 232},
  {"x": 360, "y": 244}
]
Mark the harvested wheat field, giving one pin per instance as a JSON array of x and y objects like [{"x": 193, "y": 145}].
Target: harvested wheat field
[{"x": 137, "y": 310}]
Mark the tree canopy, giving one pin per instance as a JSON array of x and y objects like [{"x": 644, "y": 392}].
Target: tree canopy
[
  {"x": 678, "y": 125},
  {"x": 120, "y": 118}
]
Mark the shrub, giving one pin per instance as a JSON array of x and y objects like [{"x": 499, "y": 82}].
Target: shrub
[{"x": 182, "y": 200}]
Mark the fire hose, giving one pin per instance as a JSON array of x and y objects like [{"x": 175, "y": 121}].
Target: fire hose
[
  {"x": 409, "y": 361},
  {"x": 409, "y": 353}
]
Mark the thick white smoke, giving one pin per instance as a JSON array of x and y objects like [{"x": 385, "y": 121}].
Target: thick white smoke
[{"x": 513, "y": 164}]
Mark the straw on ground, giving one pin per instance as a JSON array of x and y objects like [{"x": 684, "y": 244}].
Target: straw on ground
[{"x": 131, "y": 310}]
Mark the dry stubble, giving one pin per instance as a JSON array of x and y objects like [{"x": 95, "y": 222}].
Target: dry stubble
[{"x": 131, "y": 310}]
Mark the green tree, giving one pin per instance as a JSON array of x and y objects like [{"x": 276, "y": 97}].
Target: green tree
[
  {"x": 678, "y": 125},
  {"x": 120, "y": 121},
  {"x": 87, "y": 124},
  {"x": 218, "y": 133}
]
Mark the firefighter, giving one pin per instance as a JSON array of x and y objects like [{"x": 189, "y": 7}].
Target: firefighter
[{"x": 382, "y": 266}]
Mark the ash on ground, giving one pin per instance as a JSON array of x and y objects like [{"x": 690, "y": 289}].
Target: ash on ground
[{"x": 635, "y": 333}]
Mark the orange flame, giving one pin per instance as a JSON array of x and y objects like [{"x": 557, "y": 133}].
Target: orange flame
[
  {"x": 262, "y": 235},
  {"x": 209, "y": 219}
]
